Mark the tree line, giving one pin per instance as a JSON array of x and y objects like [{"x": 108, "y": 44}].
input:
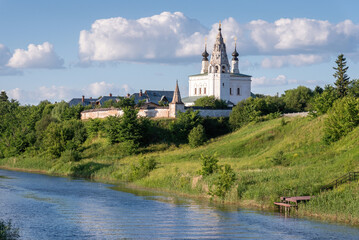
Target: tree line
[{"x": 56, "y": 131}]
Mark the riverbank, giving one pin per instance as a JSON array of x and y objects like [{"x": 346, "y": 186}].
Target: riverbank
[{"x": 271, "y": 159}]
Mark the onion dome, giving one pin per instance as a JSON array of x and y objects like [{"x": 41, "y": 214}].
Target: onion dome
[
  {"x": 235, "y": 54},
  {"x": 205, "y": 55}
]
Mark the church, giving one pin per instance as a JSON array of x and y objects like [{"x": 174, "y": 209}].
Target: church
[{"x": 218, "y": 78}]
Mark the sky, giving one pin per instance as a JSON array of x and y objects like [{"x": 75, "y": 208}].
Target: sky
[{"x": 59, "y": 50}]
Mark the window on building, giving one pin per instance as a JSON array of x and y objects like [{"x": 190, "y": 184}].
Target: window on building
[
  {"x": 230, "y": 91},
  {"x": 223, "y": 84},
  {"x": 238, "y": 91},
  {"x": 204, "y": 90},
  {"x": 195, "y": 91},
  {"x": 223, "y": 69},
  {"x": 217, "y": 71},
  {"x": 200, "y": 91}
]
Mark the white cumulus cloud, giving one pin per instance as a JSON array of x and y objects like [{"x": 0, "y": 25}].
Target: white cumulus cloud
[
  {"x": 158, "y": 38},
  {"x": 36, "y": 56},
  {"x": 173, "y": 37},
  {"x": 280, "y": 80}
]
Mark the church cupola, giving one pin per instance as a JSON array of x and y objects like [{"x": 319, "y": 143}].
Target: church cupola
[
  {"x": 205, "y": 59},
  {"x": 219, "y": 60},
  {"x": 235, "y": 55}
]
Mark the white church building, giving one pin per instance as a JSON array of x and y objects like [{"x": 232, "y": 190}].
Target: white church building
[{"x": 218, "y": 78}]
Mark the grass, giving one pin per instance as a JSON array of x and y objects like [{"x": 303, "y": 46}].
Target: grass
[{"x": 306, "y": 165}]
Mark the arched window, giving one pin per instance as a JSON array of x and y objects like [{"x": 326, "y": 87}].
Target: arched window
[
  {"x": 195, "y": 91},
  {"x": 223, "y": 69},
  {"x": 204, "y": 91},
  {"x": 238, "y": 91},
  {"x": 217, "y": 70},
  {"x": 200, "y": 90},
  {"x": 230, "y": 91}
]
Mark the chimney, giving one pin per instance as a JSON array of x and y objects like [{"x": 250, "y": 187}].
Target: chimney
[
  {"x": 141, "y": 93},
  {"x": 110, "y": 94},
  {"x": 83, "y": 98}
]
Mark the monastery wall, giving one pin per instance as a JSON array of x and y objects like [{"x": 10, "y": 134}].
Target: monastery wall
[
  {"x": 100, "y": 113},
  {"x": 214, "y": 112}
]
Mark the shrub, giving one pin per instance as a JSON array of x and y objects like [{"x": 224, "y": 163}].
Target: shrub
[
  {"x": 223, "y": 181},
  {"x": 342, "y": 118},
  {"x": 141, "y": 170},
  {"x": 7, "y": 231},
  {"x": 244, "y": 112},
  {"x": 197, "y": 136},
  {"x": 184, "y": 123},
  {"x": 70, "y": 156},
  {"x": 279, "y": 158},
  {"x": 324, "y": 101},
  {"x": 209, "y": 165}
]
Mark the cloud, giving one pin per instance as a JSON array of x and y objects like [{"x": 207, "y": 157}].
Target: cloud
[
  {"x": 280, "y": 80},
  {"x": 159, "y": 38},
  {"x": 5, "y": 55},
  {"x": 97, "y": 89},
  {"x": 294, "y": 60},
  {"x": 59, "y": 93},
  {"x": 36, "y": 56},
  {"x": 173, "y": 37}
]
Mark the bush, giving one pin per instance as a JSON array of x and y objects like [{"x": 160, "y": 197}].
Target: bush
[
  {"x": 209, "y": 165},
  {"x": 70, "y": 156},
  {"x": 7, "y": 231},
  {"x": 279, "y": 158},
  {"x": 244, "y": 112},
  {"x": 342, "y": 118},
  {"x": 324, "y": 101},
  {"x": 211, "y": 102},
  {"x": 197, "y": 136},
  {"x": 184, "y": 123},
  {"x": 141, "y": 170},
  {"x": 223, "y": 181}
]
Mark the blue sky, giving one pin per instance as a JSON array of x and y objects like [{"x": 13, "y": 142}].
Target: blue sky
[{"x": 57, "y": 50}]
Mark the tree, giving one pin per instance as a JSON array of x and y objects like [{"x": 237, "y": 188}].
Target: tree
[
  {"x": 296, "y": 100},
  {"x": 184, "y": 123},
  {"x": 210, "y": 102},
  {"x": 245, "y": 112},
  {"x": 3, "y": 96},
  {"x": 354, "y": 88},
  {"x": 342, "y": 79},
  {"x": 323, "y": 102},
  {"x": 197, "y": 136}
]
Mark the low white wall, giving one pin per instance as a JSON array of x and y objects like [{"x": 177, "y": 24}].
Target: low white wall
[{"x": 100, "y": 113}]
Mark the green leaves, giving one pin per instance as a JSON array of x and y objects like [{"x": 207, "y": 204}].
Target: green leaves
[{"x": 211, "y": 102}]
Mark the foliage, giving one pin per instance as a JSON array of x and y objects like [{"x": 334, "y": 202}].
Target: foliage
[
  {"x": 94, "y": 126},
  {"x": 296, "y": 100},
  {"x": 209, "y": 165},
  {"x": 216, "y": 126},
  {"x": 162, "y": 103},
  {"x": 279, "y": 158},
  {"x": 145, "y": 166},
  {"x": 8, "y": 231},
  {"x": 197, "y": 136},
  {"x": 353, "y": 88},
  {"x": 62, "y": 111},
  {"x": 223, "y": 182},
  {"x": 323, "y": 102},
  {"x": 342, "y": 79},
  {"x": 125, "y": 127},
  {"x": 244, "y": 112},
  {"x": 342, "y": 118},
  {"x": 184, "y": 123},
  {"x": 211, "y": 102},
  {"x": 70, "y": 155},
  {"x": 3, "y": 96}
]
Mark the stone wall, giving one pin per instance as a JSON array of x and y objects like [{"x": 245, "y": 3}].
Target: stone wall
[
  {"x": 152, "y": 113},
  {"x": 100, "y": 113}
]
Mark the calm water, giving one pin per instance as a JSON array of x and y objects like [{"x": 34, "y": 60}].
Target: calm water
[{"x": 46, "y": 207}]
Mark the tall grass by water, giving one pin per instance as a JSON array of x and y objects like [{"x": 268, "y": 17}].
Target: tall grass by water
[{"x": 280, "y": 157}]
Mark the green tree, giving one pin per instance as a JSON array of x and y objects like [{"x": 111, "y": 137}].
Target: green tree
[
  {"x": 223, "y": 182},
  {"x": 297, "y": 100},
  {"x": 342, "y": 79},
  {"x": 353, "y": 89},
  {"x": 323, "y": 102},
  {"x": 245, "y": 112},
  {"x": 211, "y": 102},
  {"x": 3, "y": 96},
  {"x": 184, "y": 123},
  {"x": 197, "y": 136},
  {"x": 342, "y": 118}
]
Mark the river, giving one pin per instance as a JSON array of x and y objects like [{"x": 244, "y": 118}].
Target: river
[{"x": 47, "y": 207}]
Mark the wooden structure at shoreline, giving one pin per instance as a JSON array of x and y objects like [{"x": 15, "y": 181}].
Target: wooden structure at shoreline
[{"x": 286, "y": 203}]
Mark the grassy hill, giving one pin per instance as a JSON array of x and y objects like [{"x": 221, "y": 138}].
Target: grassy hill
[{"x": 279, "y": 157}]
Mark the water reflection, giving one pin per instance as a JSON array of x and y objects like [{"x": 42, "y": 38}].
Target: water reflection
[{"x": 46, "y": 207}]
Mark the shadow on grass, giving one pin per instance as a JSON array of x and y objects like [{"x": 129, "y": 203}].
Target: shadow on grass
[{"x": 87, "y": 170}]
